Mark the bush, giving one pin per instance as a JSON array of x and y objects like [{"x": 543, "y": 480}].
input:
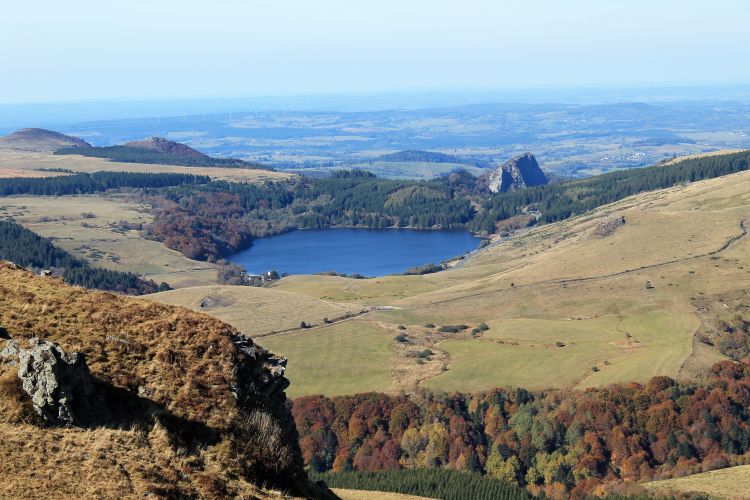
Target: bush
[
  {"x": 452, "y": 328},
  {"x": 429, "y": 325},
  {"x": 400, "y": 338},
  {"x": 426, "y": 353},
  {"x": 425, "y": 269}
]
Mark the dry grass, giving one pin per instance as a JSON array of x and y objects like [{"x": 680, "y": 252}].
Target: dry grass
[
  {"x": 189, "y": 437},
  {"x": 732, "y": 482},
  {"x": 372, "y": 495}
]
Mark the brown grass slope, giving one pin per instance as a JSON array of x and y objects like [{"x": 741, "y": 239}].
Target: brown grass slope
[{"x": 195, "y": 409}]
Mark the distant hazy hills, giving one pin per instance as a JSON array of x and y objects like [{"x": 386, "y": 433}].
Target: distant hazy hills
[
  {"x": 41, "y": 140},
  {"x": 413, "y": 155}
]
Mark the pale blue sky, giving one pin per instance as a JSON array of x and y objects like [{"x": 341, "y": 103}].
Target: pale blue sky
[{"x": 86, "y": 49}]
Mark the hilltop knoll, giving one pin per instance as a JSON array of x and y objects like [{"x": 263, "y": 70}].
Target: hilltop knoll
[{"x": 41, "y": 140}]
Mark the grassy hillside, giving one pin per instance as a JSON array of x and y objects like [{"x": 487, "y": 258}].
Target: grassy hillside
[
  {"x": 270, "y": 307},
  {"x": 625, "y": 306},
  {"x": 25, "y": 163},
  {"x": 182, "y": 406},
  {"x": 732, "y": 482}
]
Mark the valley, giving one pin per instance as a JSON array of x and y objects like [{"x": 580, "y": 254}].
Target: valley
[{"x": 650, "y": 282}]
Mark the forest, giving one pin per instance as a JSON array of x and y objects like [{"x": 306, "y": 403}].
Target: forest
[
  {"x": 220, "y": 218},
  {"x": 557, "y": 442},
  {"x": 420, "y": 156},
  {"x": 28, "y": 249},
  {"x": 83, "y": 183},
  {"x": 129, "y": 154}
]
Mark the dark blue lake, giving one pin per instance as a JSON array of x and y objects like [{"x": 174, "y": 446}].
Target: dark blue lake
[{"x": 370, "y": 252}]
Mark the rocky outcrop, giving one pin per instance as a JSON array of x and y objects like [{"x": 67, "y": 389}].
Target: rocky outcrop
[
  {"x": 518, "y": 173},
  {"x": 166, "y": 146},
  {"x": 608, "y": 226},
  {"x": 58, "y": 383}
]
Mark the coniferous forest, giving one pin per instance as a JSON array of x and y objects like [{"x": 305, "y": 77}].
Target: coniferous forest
[
  {"x": 97, "y": 182},
  {"x": 28, "y": 249},
  {"x": 430, "y": 483}
]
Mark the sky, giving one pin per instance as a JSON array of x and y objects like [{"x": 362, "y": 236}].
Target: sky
[{"x": 179, "y": 49}]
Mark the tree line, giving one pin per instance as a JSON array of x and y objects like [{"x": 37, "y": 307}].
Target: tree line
[
  {"x": 430, "y": 483},
  {"x": 28, "y": 249},
  {"x": 83, "y": 183},
  {"x": 561, "y": 443},
  {"x": 130, "y": 154}
]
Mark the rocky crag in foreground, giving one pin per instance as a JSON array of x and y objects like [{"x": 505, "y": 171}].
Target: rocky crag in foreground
[
  {"x": 518, "y": 173},
  {"x": 106, "y": 396}
]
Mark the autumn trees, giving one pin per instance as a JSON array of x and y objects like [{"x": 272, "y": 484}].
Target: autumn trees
[{"x": 558, "y": 442}]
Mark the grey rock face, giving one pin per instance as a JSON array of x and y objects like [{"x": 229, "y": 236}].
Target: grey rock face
[
  {"x": 58, "y": 383},
  {"x": 518, "y": 173},
  {"x": 9, "y": 354}
]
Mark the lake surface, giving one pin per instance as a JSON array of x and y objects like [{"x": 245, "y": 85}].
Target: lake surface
[{"x": 370, "y": 252}]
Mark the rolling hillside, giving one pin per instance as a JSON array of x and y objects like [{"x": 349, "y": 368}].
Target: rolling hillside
[{"x": 622, "y": 293}]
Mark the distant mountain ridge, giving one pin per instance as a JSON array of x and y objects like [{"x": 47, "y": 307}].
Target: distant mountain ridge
[{"x": 40, "y": 140}]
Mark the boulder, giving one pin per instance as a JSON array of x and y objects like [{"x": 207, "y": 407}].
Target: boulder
[
  {"x": 9, "y": 354},
  {"x": 59, "y": 384}
]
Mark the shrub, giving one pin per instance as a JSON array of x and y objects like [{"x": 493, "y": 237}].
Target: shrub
[{"x": 452, "y": 328}]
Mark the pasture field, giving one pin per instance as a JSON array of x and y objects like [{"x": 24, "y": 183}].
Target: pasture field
[
  {"x": 255, "y": 311},
  {"x": 87, "y": 226},
  {"x": 345, "y": 358},
  {"x": 27, "y": 164},
  {"x": 732, "y": 482}
]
